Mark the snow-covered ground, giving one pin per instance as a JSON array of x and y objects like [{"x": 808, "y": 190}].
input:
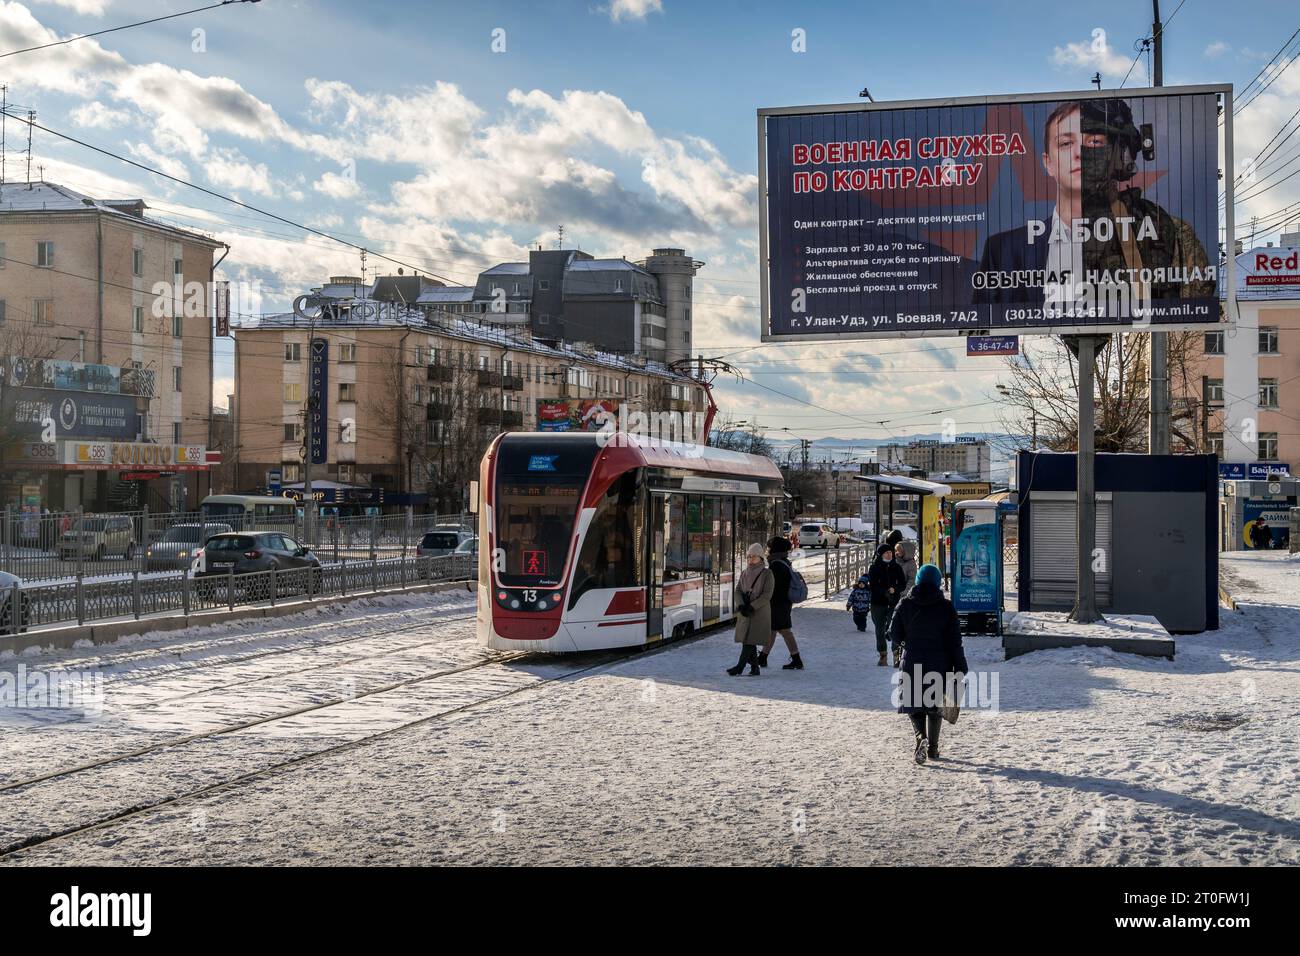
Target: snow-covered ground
[{"x": 1090, "y": 757}]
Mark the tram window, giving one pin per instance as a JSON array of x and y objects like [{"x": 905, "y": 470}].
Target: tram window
[
  {"x": 610, "y": 557},
  {"x": 677, "y": 544},
  {"x": 534, "y": 525}
]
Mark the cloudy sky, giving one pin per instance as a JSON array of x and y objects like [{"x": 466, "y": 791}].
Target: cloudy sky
[{"x": 453, "y": 136}]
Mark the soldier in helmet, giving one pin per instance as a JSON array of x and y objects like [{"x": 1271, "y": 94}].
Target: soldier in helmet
[{"x": 1103, "y": 232}]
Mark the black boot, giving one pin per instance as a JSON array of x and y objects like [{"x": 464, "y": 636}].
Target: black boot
[
  {"x": 762, "y": 659},
  {"x": 922, "y": 745},
  {"x": 796, "y": 664},
  {"x": 933, "y": 723},
  {"x": 740, "y": 664},
  {"x": 751, "y": 651}
]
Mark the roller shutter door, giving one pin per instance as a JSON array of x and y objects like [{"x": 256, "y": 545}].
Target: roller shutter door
[{"x": 1052, "y": 557}]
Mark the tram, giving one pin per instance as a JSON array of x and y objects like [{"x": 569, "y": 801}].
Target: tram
[{"x": 599, "y": 540}]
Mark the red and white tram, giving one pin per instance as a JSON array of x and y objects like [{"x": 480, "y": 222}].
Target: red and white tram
[{"x": 593, "y": 541}]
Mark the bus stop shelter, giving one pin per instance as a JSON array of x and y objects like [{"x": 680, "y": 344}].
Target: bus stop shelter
[{"x": 930, "y": 494}]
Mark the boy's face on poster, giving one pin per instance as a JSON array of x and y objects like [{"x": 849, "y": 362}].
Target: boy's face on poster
[{"x": 1063, "y": 153}]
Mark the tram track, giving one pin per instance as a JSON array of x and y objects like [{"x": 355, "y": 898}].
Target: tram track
[{"x": 35, "y": 841}]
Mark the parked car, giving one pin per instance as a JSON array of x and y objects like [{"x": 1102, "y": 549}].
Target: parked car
[
  {"x": 468, "y": 546},
  {"x": 7, "y": 582},
  {"x": 816, "y": 534},
  {"x": 250, "y": 554},
  {"x": 441, "y": 541},
  {"x": 98, "y": 538},
  {"x": 176, "y": 549}
]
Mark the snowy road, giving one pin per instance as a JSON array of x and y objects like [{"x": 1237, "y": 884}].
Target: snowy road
[{"x": 388, "y": 736}]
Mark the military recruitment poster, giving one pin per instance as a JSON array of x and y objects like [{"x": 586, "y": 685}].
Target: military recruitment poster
[{"x": 1038, "y": 213}]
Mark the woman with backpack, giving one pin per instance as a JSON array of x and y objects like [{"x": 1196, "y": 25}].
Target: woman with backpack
[
  {"x": 926, "y": 626},
  {"x": 754, "y": 607},
  {"x": 778, "y": 563}
]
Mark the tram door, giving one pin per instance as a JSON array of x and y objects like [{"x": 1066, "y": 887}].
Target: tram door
[
  {"x": 658, "y": 544},
  {"x": 710, "y": 527}
]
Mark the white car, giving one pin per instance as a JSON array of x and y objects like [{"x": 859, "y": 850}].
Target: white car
[{"x": 817, "y": 534}]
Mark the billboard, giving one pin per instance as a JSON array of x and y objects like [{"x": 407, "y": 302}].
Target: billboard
[
  {"x": 1052, "y": 212},
  {"x": 318, "y": 412},
  {"x": 575, "y": 414},
  {"x": 74, "y": 414},
  {"x": 1269, "y": 274}
]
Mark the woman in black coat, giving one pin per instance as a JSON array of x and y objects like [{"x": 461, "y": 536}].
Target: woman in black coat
[
  {"x": 778, "y": 562},
  {"x": 925, "y": 623},
  {"x": 886, "y": 580}
]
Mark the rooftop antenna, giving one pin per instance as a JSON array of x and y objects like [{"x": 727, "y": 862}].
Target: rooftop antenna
[
  {"x": 4, "y": 116},
  {"x": 31, "y": 119},
  {"x": 363, "y": 265},
  {"x": 1096, "y": 79},
  {"x": 560, "y": 243}
]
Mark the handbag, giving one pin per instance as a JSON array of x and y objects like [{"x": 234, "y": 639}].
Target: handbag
[{"x": 951, "y": 708}]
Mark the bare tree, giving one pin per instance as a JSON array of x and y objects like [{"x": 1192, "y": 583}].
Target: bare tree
[
  {"x": 26, "y": 342},
  {"x": 749, "y": 438},
  {"x": 1041, "y": 394}
]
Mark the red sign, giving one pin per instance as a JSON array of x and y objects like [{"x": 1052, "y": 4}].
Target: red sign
[
  {"x": 144, "y": 475},
  {"x": 535, "y": 562}
]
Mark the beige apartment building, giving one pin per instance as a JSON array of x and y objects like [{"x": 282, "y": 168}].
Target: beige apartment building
[
  {"x": 1251, "y": 374},
  {"x": 107, "y": 382},
  {"x": 410, "y": 398}
]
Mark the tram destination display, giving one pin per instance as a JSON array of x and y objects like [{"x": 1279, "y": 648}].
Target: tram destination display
[{"x": 1062, "y": 212}]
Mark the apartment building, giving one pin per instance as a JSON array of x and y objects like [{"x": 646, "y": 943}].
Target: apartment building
[
  {"x": 1249, "y": 383},
  {"x": 406, "y": 399},
  {"x": 106, "y": 337},
  {"x": 970, "y": 457},
  {"x": 567, "y": 295}
]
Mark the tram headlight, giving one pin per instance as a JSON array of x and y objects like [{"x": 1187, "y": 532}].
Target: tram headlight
[{"x": 514, "y": 603}]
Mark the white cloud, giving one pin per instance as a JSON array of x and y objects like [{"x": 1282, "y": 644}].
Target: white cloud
[
  {"x": 632, "y": 9},
  {"x": 1097, "y": 55},
  {"x": 336, "y": 186},
  {"x": 1216, "y": 49},
  {"x": 89, "y": 8},
  {"x": 226, "y": 167},
  {"x": 98, "y": 116},
  {"x": 167, "y": 164}
]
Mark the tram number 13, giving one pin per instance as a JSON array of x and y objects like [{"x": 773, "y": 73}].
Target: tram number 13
[{"x": 530, "y": 597}]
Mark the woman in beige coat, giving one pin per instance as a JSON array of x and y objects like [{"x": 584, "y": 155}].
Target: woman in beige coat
[{"x": 753, "y": 604}]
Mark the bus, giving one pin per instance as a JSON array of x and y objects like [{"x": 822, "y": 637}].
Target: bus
[{"x": 250, "y": 512}]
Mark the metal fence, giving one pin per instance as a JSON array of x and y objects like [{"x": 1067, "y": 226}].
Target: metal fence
[
  {"x": 140, "y": 596},
  {"x": 65, "y": 546},
  {"x": 834, "y": 570}
]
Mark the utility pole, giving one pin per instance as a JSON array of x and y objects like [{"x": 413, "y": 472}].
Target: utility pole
[
  {"x": 1085, "y": 602},
  {"x": 1158, "y": 432}
]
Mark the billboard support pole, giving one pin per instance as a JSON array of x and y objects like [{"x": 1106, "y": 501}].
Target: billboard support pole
[
  {"x": 1158, "y": 436},
  {"x": 1085, "y": 611}
]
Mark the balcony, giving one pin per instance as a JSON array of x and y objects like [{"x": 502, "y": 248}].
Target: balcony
[
  {"x": 512, "y": 382},
  {"x": 511, "y": 419},
  {"x": 440, "y": 373},
  {"x": 437, "y": 412},
  {"x": 489, "y": 379},
  {"x": 488, "y": 416}
]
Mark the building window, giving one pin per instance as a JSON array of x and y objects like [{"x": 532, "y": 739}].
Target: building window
[
  {"x": 347, "y": 392},
  {"x": 1213, "y": 343},
  {"x": 137, "y": 262},
  {"x": 176, "y": 377},
  {"x": 2, "y": 313},
  {"x": 347, "y": 473},
  {"x": 419, "y": 355},
  {"x": 543, "y": 319},
  {"x": 176, "y": 326},
  {"x": 176, "y": 433},
  {"x": 293, "y": 351},
  {"x": 1268, "y": 340},
  {"x": 45, "y": 254},
  {"x": 544, "y": 284},
  {"x": 1268, "y": 446},
  {"x": 290, "y": 472},
  {"x": 293, "y": 391},
  {"x": 1214, "y": 391},
  {"x": 178, "y": 267},
  {"x": 43, "y": 311},
  {"x": 137, "y": 319},
  {"x": 348, "y": 352},
  {"x": 291, "y": 431},
  {"x": 1268, "y": 393},
  {"x": 1215, "y": 440}
]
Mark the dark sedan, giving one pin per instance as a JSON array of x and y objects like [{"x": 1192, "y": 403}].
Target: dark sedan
[
  {"x": 261, "y": 551},
  {"x": 175, "y": 550}
]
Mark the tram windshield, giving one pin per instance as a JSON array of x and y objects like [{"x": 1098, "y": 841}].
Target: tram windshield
[{"x": 537, "y": 496}]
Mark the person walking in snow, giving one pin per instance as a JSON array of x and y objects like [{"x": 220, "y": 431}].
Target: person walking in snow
[
  {"x": 860, "y": 603},
  {"x": 885, "y": 579},
  {"x": 778, "y": 562},
  {"x": 754, "y": 607},
  {"x": 925, "y": 625}
]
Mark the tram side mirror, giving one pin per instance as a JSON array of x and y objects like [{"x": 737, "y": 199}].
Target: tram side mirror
[{"x": 473, "y": 497}]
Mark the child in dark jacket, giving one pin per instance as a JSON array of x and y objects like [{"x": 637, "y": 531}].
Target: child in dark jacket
[{"x": 860, "y": 603}]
